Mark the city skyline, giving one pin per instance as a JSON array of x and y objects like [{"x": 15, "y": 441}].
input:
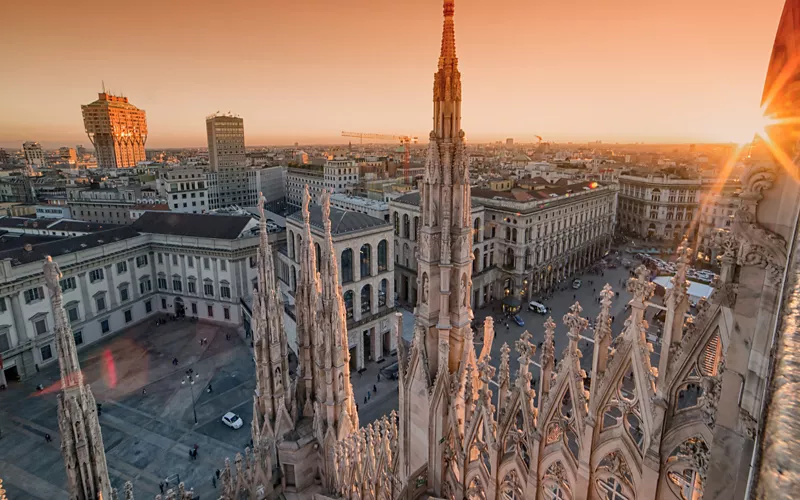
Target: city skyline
[{"x": 620, "y": 72}]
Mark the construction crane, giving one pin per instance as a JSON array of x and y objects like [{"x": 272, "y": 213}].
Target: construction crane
[{"x": 405, "y": 140}]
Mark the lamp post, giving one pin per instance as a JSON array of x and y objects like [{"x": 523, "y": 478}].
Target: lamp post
[{"x": 190, "y": 378}]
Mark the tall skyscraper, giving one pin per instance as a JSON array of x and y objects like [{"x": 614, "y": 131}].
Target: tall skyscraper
[
  {"x": 232, "y": 183},
  {"x": 117, "y": 129},
  {"x": 34, "y": 155}
]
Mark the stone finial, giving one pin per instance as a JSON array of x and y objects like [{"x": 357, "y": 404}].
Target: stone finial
[
  {"x": 640, "y": 286},
  {"x": 575, "y": 322},
  {"x": 306, "y": 202},
  {"x": 325, "y": 202},
  {"x": 2, "y": 491},
  {"x": 128, "y": 490},
  {"x": 602, "y": 327},
  {"x": 504, "y": 358},
  {"x": 548, "y": 346},
  {"x": 261, "y": 201}
]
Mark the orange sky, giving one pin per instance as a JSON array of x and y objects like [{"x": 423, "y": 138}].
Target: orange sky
[{"x": 303, "y": 70}]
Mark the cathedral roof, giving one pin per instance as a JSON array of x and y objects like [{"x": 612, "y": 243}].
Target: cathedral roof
[
  {"x": 342, "y": 221},
  {"x": 413, "y": 198}
]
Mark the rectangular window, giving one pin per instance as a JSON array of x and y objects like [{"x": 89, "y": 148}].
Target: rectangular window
[
  {"x": 206, "y": 263},
  {"x": 40, "y": 326},
  {"x": 223, "y": 265},
  {"x": 2, "y": 305},
  {"x": 194, "y": 308},
  {"x": 128, "y": 316},
  {"x": 226, "y": 312},
  {"x": 73, "y": 314},
  {"x": 104, "y": 326},
  {"x": 210, "y": 311},
  {"x": 47, "y": 353},
  {"x": 162, "y": 283},
  {"x": 192, "y": 287},
  {"x": 67, "y": 284},
  {"x": 145, "y": 286},
  {"x": 96, "y": 275},
  {"x": 123, "y": 266},
  {"x": 225, "y": 291},
  {"x": 208, "y": 289},
  {"x": 5, "y": 344},
  {"x": 190, "y": 261},
  {"x": 160, "y": 258},
  {"x": 101, "y": 303},
  {"x": 33, "y": 294},
  {"x": 141, "y": 261},
  {"x": 253, "y": 261},
  {"x": 163, "y": 303},
  {"x": 78, "y": 336},
  {"x": 148, "y": 306},
  {"x": 123, "y": 293},
  {"x": 174, "y": 260},
  {"x": 176, "y": 285}
]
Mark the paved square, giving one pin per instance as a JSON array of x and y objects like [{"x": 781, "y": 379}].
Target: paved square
[{"x": 147, "y": 436}]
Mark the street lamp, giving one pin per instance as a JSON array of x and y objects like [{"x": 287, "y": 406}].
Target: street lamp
[{"x": 190, "y": 377}]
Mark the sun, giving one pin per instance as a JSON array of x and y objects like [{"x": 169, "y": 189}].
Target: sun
[{"x": 756, "y": 125}]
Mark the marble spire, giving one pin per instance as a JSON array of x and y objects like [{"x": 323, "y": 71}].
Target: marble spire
[
  {"x": 335, "y": 410},
  {"x": 81, "y": 438},
  {"x": 273, "y": 403},
  {"x": 311, "y": 376}
]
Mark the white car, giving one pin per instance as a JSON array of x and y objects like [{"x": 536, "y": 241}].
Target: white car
[
  {"x": 537, "y": 307},
  {"x": 576, "y": 284},
  {"x": 232, "y": 420}
]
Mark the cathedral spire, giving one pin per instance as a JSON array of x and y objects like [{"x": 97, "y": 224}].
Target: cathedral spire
[
  {"x": 306, "y": 303},
  {"x": 447, "y": 82},
  {"x": 335, "y": 409},
  {"x": 81, "y": 438},
  {"x": 272, "y": 402}
]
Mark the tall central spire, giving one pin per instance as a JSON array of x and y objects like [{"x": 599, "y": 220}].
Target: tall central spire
[{"x": 447, "y": 82}]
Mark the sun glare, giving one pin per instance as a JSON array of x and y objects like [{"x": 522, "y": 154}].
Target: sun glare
[{"x": 756, "y": 126}]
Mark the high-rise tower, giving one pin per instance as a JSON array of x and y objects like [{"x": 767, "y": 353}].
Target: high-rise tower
[
  {"x": 81, "y": 439},
  {"x": 231, "y": 182},
  {"x": 118, "y": 130},
  {"x": 443, "y": 311}
]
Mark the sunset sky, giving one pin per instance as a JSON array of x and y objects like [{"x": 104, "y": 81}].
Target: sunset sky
[{"x": 303, "y": 70}]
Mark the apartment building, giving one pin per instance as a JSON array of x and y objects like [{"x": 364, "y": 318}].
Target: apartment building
[{"x": 184, "y": 189}]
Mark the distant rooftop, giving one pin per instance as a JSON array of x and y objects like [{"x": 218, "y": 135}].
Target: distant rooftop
[
  {"x": 65, "y": 246},
  {"x": 225, "y": 227},
  {"x": 342, "y": 221}
]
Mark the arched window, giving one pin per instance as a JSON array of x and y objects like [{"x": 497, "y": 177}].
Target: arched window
[
  {"x": 347, "y": 265},
  {"x": 508, "y": 234},
  {"x": 416, "y": 228},
  {"x": 290, "y": 245},
  {"x": 476, "y": 228},
  {"x": 406, "y": 229},
  {"x": 382, "y": 291},
  {"x": 366, "y": 299},
  {"x": 476, "y": 260},
  {"x": 514, "y": 235},
  {"x": 348, "y": 303},
  {"x": 294, "y": 279},
  {"x": 406, "y": 254},
  {"x": 366, "y": 260},
  {"x": 383, "y": 256},
  {"x": 319, "y": 255},
  {"x": 396, "y": 224},
  {"x": 510, "y": 257}
]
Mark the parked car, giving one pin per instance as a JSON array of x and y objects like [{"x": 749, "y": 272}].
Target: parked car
[
  {"x": 537, "y": 307},
  {"x": 232, "y": 420},
  {"x": 576, "y": 284},
  {"x": 518, "y": 320}
]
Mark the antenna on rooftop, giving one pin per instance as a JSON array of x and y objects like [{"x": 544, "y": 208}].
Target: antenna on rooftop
[{"x": 103, "y": 83}]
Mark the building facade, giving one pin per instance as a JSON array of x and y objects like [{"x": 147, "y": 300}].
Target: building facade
[
  {"x": 661, "y": 207},
  {"x": 117, "y": 129},
  {"x": 340, "y": 175},
  {"x": 272, "y": 185},
  {"x": 363, "y": 246},
  {"x": 116, "y": 278},
  {"x": 231, "y": 181},
  {"x": 185, "y": 189},
  {"x": 374, "y": 208},
  {"x": 297, "y": 178},
  {"x": 34, "y": 155},
  {"x": 104, "y": 205}
]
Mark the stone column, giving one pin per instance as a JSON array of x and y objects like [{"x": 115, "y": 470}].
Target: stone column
[
  {"x": 19, "y": 320},
  {"x": 112, "y": 288},
  {"x": 88, "y": 307},
  {"x": 134, "y": 280}
]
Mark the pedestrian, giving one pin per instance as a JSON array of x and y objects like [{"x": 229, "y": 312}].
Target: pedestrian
[
  {"x": 369, "y": 395},
  {"x": 507, "y": 327},
  {"x": 214, "y": 481},
  {"x": 175, "y": 361},
  {"x": 218, "y": 473},
  {"x": 144, "y": 391},
  {"x": 365, "y": 400},
  {"x": 379, "y": 376},
  {"x": 227, "y": 336},
  {"x": 191, "y": 454},
  {"x": 375, "y": 388},
  {"x": 161, "y": 487},
  {"x": 209, "y": 388},
  {"x": 47, "y": 438}
]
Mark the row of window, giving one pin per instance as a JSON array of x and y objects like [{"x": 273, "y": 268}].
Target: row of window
[{"x": 223, "y": 264}]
